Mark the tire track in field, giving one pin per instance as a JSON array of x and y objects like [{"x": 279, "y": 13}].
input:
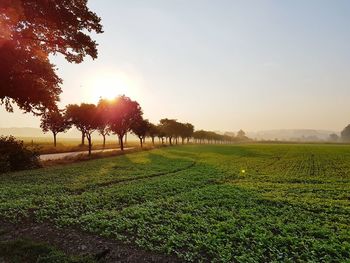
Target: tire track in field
[{"x": 127, "y": 180}]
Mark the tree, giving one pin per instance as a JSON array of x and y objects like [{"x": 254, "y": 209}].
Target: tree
[
  {"x": 103, "y": 130},
  {"x": 169, "y": 128},
  {"x": 140, "y": 129},
  {"x": 161, "y": 134},
  {"x": 84, "y": 118},
  {"x": 199, "y": 136},
  {"x": 345, "y": 134},
  {"x": 153, "y": 131},
  {"x": 74, "y": 114},
  {"x": 186, "y": 131},
  {"x": 102, "y": 119},
  {"x": 240, "y": 134},
  {"x": 229, "y": 137},
  {"x": 31, "y": 30},
  {"x": 122, "y": 114},
  {"x": 55, "y": 122},
  {"x": 333, "y": 137}
]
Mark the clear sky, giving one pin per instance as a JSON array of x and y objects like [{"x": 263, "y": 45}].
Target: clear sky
[{"x": 221, "y": 65}]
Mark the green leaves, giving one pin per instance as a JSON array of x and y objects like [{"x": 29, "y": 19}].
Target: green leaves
[{"x": 291, "y": 205}]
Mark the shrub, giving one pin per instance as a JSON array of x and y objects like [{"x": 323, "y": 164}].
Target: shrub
[{"x": 15, "y": 156}]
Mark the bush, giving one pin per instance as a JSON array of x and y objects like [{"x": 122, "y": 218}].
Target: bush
[{"x": 15, "y": 156}]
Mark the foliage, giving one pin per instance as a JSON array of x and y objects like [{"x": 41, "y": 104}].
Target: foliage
[
  {"x": 15, "y": 156},
  {"x": 55, "y": 122},
  {"x": 345, "y": 134},
  {"x": 241, "y": 134},
  {"x": 28, "y": 80},
  {"x": 170, "y": 128},
  {"x": 153, "y": 131},
  {"x": 140, "y": 128},
  {"x": 186, "y": 131},
  {"x": 102, "y": 120},
  {"x": 122, "y": 113},
  {"x": 31, "y": 30},
  {"x": 202, "y": 136},
  {"x": 85, "y": 118},
  {"x": 333, "y": 137},
  {"x": 247, "y": 203}
]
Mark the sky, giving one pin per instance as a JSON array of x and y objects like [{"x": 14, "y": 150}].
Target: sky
[{"x": 221, "y": 65}]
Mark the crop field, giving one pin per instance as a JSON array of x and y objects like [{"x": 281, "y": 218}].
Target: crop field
[{"x": 238, "y": 203}]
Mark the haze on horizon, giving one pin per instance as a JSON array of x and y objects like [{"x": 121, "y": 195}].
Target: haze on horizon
[{"x": 255, "y": 65}]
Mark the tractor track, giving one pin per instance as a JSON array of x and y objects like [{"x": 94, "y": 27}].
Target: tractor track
[{"x": 127, "y": 180}]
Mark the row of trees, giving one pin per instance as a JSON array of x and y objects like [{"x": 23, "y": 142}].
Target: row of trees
[
  {"x": 202, "y": 136},
  {"x": 121, "y": 116},
  {"x": 117, "y": 116}
]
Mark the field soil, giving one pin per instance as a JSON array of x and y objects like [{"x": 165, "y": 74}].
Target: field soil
[{"x": 77, "y": 243}]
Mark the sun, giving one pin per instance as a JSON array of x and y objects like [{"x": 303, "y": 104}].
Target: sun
[{"x": 108, "y": 85}]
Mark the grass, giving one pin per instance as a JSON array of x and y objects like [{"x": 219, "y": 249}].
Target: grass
[{"x": 246, "y": 203}]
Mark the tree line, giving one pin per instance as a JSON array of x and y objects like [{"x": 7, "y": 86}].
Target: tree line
[
  {"x": 202, "y": 136},
  {"x": 121, "y": 116}
]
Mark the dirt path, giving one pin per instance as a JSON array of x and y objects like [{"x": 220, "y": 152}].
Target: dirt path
[
  {"x": 78, "y": 243},
  {"x": 56, "y": 156}
]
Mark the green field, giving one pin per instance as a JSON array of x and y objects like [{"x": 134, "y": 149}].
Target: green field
[{"x": 243, "y": 203}]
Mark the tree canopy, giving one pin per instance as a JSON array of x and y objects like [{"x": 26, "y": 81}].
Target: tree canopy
[
  {"x": 169, "y": 127},
  {"x": 122, "y": 113},
  {"x": 140, "y": 128},
  {"x": 85, "y": 118},
  {"x": 56, "y": 122},
  {"x": 30, "y": 31},
  {"x": 345, "y": 134}
]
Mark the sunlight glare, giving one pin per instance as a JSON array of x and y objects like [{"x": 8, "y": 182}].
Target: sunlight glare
[{"x": 109, "y": 85}]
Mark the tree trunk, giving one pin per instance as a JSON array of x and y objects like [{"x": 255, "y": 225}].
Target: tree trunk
[
  {"x": 121, "y": 142},
  {"x": 153, "y": 140},
  {"x": 88, "y": 136},
  {"x": 104, "y": 141},
  {"x": 82, "y": 138},
  {"x": 170, "y": 141},
  {"x": 54, "y": 139},
  {"x": 141, "y": 141}
]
